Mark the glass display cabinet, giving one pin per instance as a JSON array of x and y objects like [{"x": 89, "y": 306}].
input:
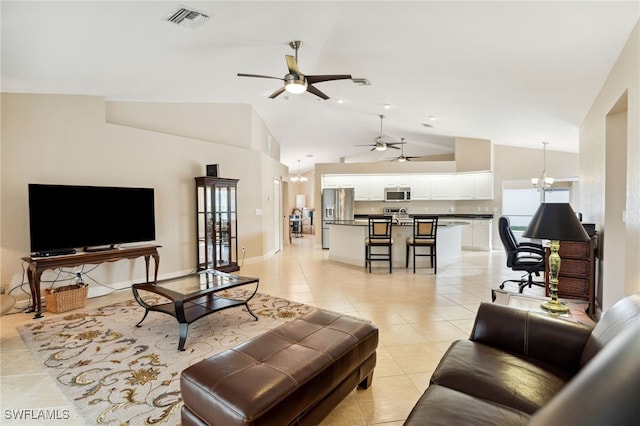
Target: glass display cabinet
[{"x": 216, "y": 223}]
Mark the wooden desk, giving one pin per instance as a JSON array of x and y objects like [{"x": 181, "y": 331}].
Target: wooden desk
[{"x": 37, "y": 265}]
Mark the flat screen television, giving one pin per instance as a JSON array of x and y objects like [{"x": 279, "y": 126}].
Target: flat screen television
[{"x": 63, "y": 218}]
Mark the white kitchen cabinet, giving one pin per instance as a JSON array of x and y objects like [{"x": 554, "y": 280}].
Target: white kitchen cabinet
[
  {"x": 443, "y": 187},
  {"x": 338, "y": 181},
  {"x": 477, "y": 235},
  {"x": 421, "y": 187},
  {"x": 474, "y": 186},
  {"x": 397, "y": 180},
  {"x": 483, "y": 186},
  {"x": 428, "y": 186},
  {"x": 376, "y": 188},
  {"x": 368, "y": 188},
  {"x": 465, "y": 186}
]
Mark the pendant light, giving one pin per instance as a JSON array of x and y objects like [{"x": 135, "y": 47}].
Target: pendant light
[{"x": 298, "y": 178}]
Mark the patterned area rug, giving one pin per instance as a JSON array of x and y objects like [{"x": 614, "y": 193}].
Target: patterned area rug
[{"x": 116, "y": 373}]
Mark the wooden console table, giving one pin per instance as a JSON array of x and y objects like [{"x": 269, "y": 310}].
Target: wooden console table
[{"x": 37, "y": 265}]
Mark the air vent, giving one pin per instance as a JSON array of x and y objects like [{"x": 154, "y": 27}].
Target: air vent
[{"x": 187, "y": 17}]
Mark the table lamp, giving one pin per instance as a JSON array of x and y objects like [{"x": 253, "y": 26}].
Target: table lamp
[{"x": 556, "y": 222}]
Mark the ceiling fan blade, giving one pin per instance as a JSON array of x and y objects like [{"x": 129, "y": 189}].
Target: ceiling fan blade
[
  {"x": 329, "y": 77},
  {"x": 292, "y": 65},
  {"x": 312, "y": 89},
  {"x": 365, "y": 145},
  {"x": 390, "y": 145},
  {"x": 277, "y": 93},
  {"x": 259, "y": 76}
]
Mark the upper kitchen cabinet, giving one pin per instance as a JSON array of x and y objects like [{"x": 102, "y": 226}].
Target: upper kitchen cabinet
[
  {"x": 474, "y": 186},
  {"x": 338, "y": 181},
  {"x": 421, "y": 187},
  {"x": 398, "y": 180},
  {"x": 443, "y": 187},
  {"x": 368, "y": 188}
]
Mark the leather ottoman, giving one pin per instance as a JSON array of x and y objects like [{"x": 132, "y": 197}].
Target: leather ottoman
[{"x": 294, "y": 374}]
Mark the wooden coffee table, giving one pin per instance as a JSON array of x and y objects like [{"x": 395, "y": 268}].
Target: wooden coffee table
[{"x": 194, "y": 296}]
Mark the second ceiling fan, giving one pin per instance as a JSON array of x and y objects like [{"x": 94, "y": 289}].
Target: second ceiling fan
[
  {"x": 296, "y": 82},
  {"x": 379, "y": 144},
  {"x": 402, "y": 158}
]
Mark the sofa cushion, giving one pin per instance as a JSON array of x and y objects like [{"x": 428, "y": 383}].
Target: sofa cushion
[
  {"x": 620, "y": 316},
  {"x": 605, "y": 392},
  {"x": 522, "y": 383},
  {"x": 443, "y": 406}
]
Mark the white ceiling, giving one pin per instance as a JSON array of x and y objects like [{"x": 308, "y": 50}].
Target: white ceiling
[{"x": 515, "y": 72}]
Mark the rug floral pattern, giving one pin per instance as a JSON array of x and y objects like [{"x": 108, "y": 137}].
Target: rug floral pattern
[{"x": 118, "y": 374}]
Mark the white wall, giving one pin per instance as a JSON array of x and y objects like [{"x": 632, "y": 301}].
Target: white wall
[
  {"x": 610, "y": 195},
  {"x": 64, "y": 139}
]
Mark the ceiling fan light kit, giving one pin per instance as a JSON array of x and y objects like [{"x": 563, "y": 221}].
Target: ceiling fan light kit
[{"x": 292, "y": 85}]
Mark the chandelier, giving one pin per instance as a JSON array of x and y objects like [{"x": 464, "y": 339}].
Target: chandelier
[
  {"x": 543, "y": 181},
  {"x": 298, "y": 178}
]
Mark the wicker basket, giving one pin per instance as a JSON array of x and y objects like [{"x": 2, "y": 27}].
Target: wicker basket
[{"x": 66, "y": 298}]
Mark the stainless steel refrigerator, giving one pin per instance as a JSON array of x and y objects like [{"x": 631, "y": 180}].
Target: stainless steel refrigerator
[{"x": 337, "y": 204}]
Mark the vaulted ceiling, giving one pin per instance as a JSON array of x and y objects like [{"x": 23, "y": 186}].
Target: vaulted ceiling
[{"x": 515, "y": 72}]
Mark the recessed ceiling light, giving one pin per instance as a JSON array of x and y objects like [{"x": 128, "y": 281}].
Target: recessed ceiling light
[
  {"x": 387, "y": 106},
  {"x": 340, "y": 101}
]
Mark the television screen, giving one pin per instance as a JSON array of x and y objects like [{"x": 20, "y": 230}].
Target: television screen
[{"x": 65, "y": 217}]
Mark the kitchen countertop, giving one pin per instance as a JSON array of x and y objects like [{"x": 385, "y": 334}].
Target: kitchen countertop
[
  {"x": 445, "y": 215},
  {"x": 365, "y": 222}
]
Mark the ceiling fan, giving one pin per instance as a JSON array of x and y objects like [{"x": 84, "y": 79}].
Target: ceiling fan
[
  {"x": 296, "y": 82},
  {"x": 379, "y": 144},
  {"x": 402, "y": 158}
]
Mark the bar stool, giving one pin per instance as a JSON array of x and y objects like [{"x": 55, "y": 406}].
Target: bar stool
[
  {"x": 379, "y": 237},
  {"x": 424, "y": 235}
]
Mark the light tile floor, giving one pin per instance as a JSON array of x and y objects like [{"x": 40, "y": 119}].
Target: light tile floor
[{"x": 418, "y": 315}]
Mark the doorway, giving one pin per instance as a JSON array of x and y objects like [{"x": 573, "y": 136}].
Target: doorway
[{"x": 277, "y": 215}]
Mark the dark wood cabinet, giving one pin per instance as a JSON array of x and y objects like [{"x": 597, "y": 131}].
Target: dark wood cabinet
[
  {"x": 576, "y": 279},
  {"x": 216, "y": 223}
]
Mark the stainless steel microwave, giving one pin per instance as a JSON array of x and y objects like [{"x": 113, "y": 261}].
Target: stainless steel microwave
[{"x": 397, "y": 194}]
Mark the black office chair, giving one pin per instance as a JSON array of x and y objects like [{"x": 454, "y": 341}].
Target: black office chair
[
  {"x": 527, "y": 257},
  {"x": 379, "y": 237},
  {"x": 424, "y": 235}
]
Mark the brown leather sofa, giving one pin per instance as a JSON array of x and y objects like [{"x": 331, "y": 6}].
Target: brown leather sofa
[
  {"x": 521, "y": 367},
  {"x": 294, "y": 374}
]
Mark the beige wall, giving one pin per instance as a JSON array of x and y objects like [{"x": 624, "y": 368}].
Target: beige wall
[
  {"x": 473, "y": 155},
  {"x": 65, "y": 140},
  {"x": 609, "y": 143}
]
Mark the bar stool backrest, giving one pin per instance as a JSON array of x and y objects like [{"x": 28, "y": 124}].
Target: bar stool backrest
[
  {"x": 425, "y": 227},
  {"x": 380, "y": 227}
]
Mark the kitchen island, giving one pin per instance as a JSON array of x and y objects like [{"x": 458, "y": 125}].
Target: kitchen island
[{"x": 347, "y": 242}]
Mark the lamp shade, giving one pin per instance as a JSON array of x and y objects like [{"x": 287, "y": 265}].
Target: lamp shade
[{"x": 556, "y": 221}]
